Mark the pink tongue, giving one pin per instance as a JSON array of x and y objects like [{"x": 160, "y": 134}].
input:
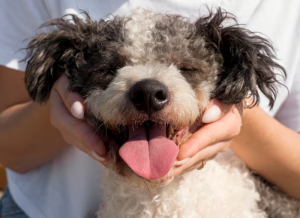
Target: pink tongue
[{"x": 152, "y": 157}]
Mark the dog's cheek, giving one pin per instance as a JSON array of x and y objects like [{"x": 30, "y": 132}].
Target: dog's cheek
[
  {"x": 187, "y": 108},
  {"x": 111, "y": 105},
  {"x": 204, "y": 92},
  {"x": 100, "y": 104}
]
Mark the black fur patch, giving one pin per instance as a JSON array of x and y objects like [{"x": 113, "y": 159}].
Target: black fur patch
[
  {"x": 86, "y": 51},
  {"x": 246, "y": 60}
]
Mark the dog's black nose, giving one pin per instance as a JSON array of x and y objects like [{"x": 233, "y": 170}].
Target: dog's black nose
[{"x": 149, "y": 95}]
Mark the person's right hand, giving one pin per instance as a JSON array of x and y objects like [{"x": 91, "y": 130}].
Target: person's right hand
[{"x": 67, "y": 115}]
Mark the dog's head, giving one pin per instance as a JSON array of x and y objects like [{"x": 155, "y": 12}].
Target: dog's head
[{"x": 148, "y": 77}]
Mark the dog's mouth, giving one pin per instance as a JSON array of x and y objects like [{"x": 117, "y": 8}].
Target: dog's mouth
[{"x": 150, "y": 150}]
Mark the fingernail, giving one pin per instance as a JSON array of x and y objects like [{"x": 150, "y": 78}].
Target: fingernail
[
  {"x": 212, "y": 114},
  {"x": 77, "y": 110},
  {"x": 177, "y": 163},
  {"x": 97, "y": 157}
]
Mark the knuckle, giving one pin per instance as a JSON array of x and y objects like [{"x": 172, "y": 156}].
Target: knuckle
[
  {"x": 234, "y": 130},
  {"x": 61, "y": 86},
  {"x": 237, "y": 130},
  {"x": 89, "y": 140},
  {"x": 224, "y": 148},
  {"x": 67, "y": 138},
  {"x": 211, "y": 157},
  {"x": 65, "y": 95},
  {"x": 77, "y": 131},
  {"x": 211, "y": 134},
  {"x": 75, "y": 128},
  {"x": 54, "y": 121},
  {"x": 80, "y": 146}
]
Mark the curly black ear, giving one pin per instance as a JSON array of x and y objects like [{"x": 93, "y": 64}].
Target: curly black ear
[
  {"x": 48, "y": 55},
  {"x": 75, "y": 47},
  {"x": 246, "y": 60}
]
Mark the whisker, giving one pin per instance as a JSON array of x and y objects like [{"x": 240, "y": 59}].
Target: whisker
[{"x": 97, "y": 129}]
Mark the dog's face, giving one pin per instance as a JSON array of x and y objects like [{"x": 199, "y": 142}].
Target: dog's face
[{"x": 147, "y": 78}]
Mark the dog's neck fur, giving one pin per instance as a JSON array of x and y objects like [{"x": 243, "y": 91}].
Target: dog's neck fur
[{"x": 194, "y": 194}]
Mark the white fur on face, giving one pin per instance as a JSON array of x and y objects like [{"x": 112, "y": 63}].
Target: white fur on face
[
  {"x": 138, "y": 30},
  {"x": 143, "y": 39},
  {"x": 113, "y": 105}
]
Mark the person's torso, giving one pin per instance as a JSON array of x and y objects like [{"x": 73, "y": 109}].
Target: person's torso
[{"x": 69, "y": 186}]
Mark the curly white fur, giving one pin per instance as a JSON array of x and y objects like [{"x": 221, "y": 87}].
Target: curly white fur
[{"x": 224, "y": 188}]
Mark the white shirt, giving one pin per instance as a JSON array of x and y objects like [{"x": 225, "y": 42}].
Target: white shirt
[{"x": 69, "y": 186}]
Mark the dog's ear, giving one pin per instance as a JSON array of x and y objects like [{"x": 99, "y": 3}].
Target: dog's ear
[
  {"x": 246, "y": 60},
  {"x": 74, "y": 47},
  {"x": 48, "y": 54}
]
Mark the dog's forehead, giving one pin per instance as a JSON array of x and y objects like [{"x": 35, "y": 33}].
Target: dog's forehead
[{"x": 151, "y": 36}]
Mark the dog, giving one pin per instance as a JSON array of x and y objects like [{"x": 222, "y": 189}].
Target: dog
[{"x": 146, "y": 79}]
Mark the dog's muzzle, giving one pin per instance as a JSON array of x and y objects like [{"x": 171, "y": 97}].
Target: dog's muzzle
[{"x": 148, "y": 151}]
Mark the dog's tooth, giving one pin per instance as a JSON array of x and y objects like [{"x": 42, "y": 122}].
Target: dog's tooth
[{"x": 170, "y": 132}]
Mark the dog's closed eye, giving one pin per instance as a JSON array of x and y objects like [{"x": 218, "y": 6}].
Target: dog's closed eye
[{"x": 187, "y": 69}]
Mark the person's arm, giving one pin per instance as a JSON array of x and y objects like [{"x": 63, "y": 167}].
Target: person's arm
[
  {"x": 27, "y": 138},
  {"x": 271, "y": 149}
]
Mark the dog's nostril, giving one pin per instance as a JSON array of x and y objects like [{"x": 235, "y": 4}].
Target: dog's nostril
[
  {"x": 161, "y": 95},
  {"x": 149, "y": 95},
  {"x": 137, "y": 97}
]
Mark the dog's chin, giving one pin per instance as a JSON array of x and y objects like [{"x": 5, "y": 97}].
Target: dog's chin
[
  {"x": 119, "y": 164},
  {"x": 166, "y": 180}
]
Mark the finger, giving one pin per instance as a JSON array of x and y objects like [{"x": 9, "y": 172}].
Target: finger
[
  {"x": 215, "y": 111},
  {"x": 206, "y": 154},
  {"x": 69, "y": 139},
  {"x": 225, "y": 129},
  {"x": 212, "y": 157},
  {"x": 73, "y": 101},
  {"x": 73, "y": 141},
  {"x": 82, "y": 131},
  {"x": 96, "y": 157},
  {"x": 87, "y": 135},
  {"x": 198, "y": 164}
]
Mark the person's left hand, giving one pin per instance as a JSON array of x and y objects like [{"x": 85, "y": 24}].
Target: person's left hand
[{"x": 222, "y": 124}]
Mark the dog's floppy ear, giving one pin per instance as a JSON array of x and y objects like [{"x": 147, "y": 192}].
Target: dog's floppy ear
[
  {"x": 246, "y": 60},
  {"x": 48, "y": 54},
  {"x": 74, "y": 46}
]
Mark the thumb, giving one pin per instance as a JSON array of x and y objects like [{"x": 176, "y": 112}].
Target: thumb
[
  {"x": 214, "y": 111},
  {"x": 72, "y": 100}
]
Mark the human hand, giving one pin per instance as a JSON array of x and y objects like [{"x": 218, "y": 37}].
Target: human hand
[
  {"x": 223, "y": 123},
  {"x": 67, "y": 115}
]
